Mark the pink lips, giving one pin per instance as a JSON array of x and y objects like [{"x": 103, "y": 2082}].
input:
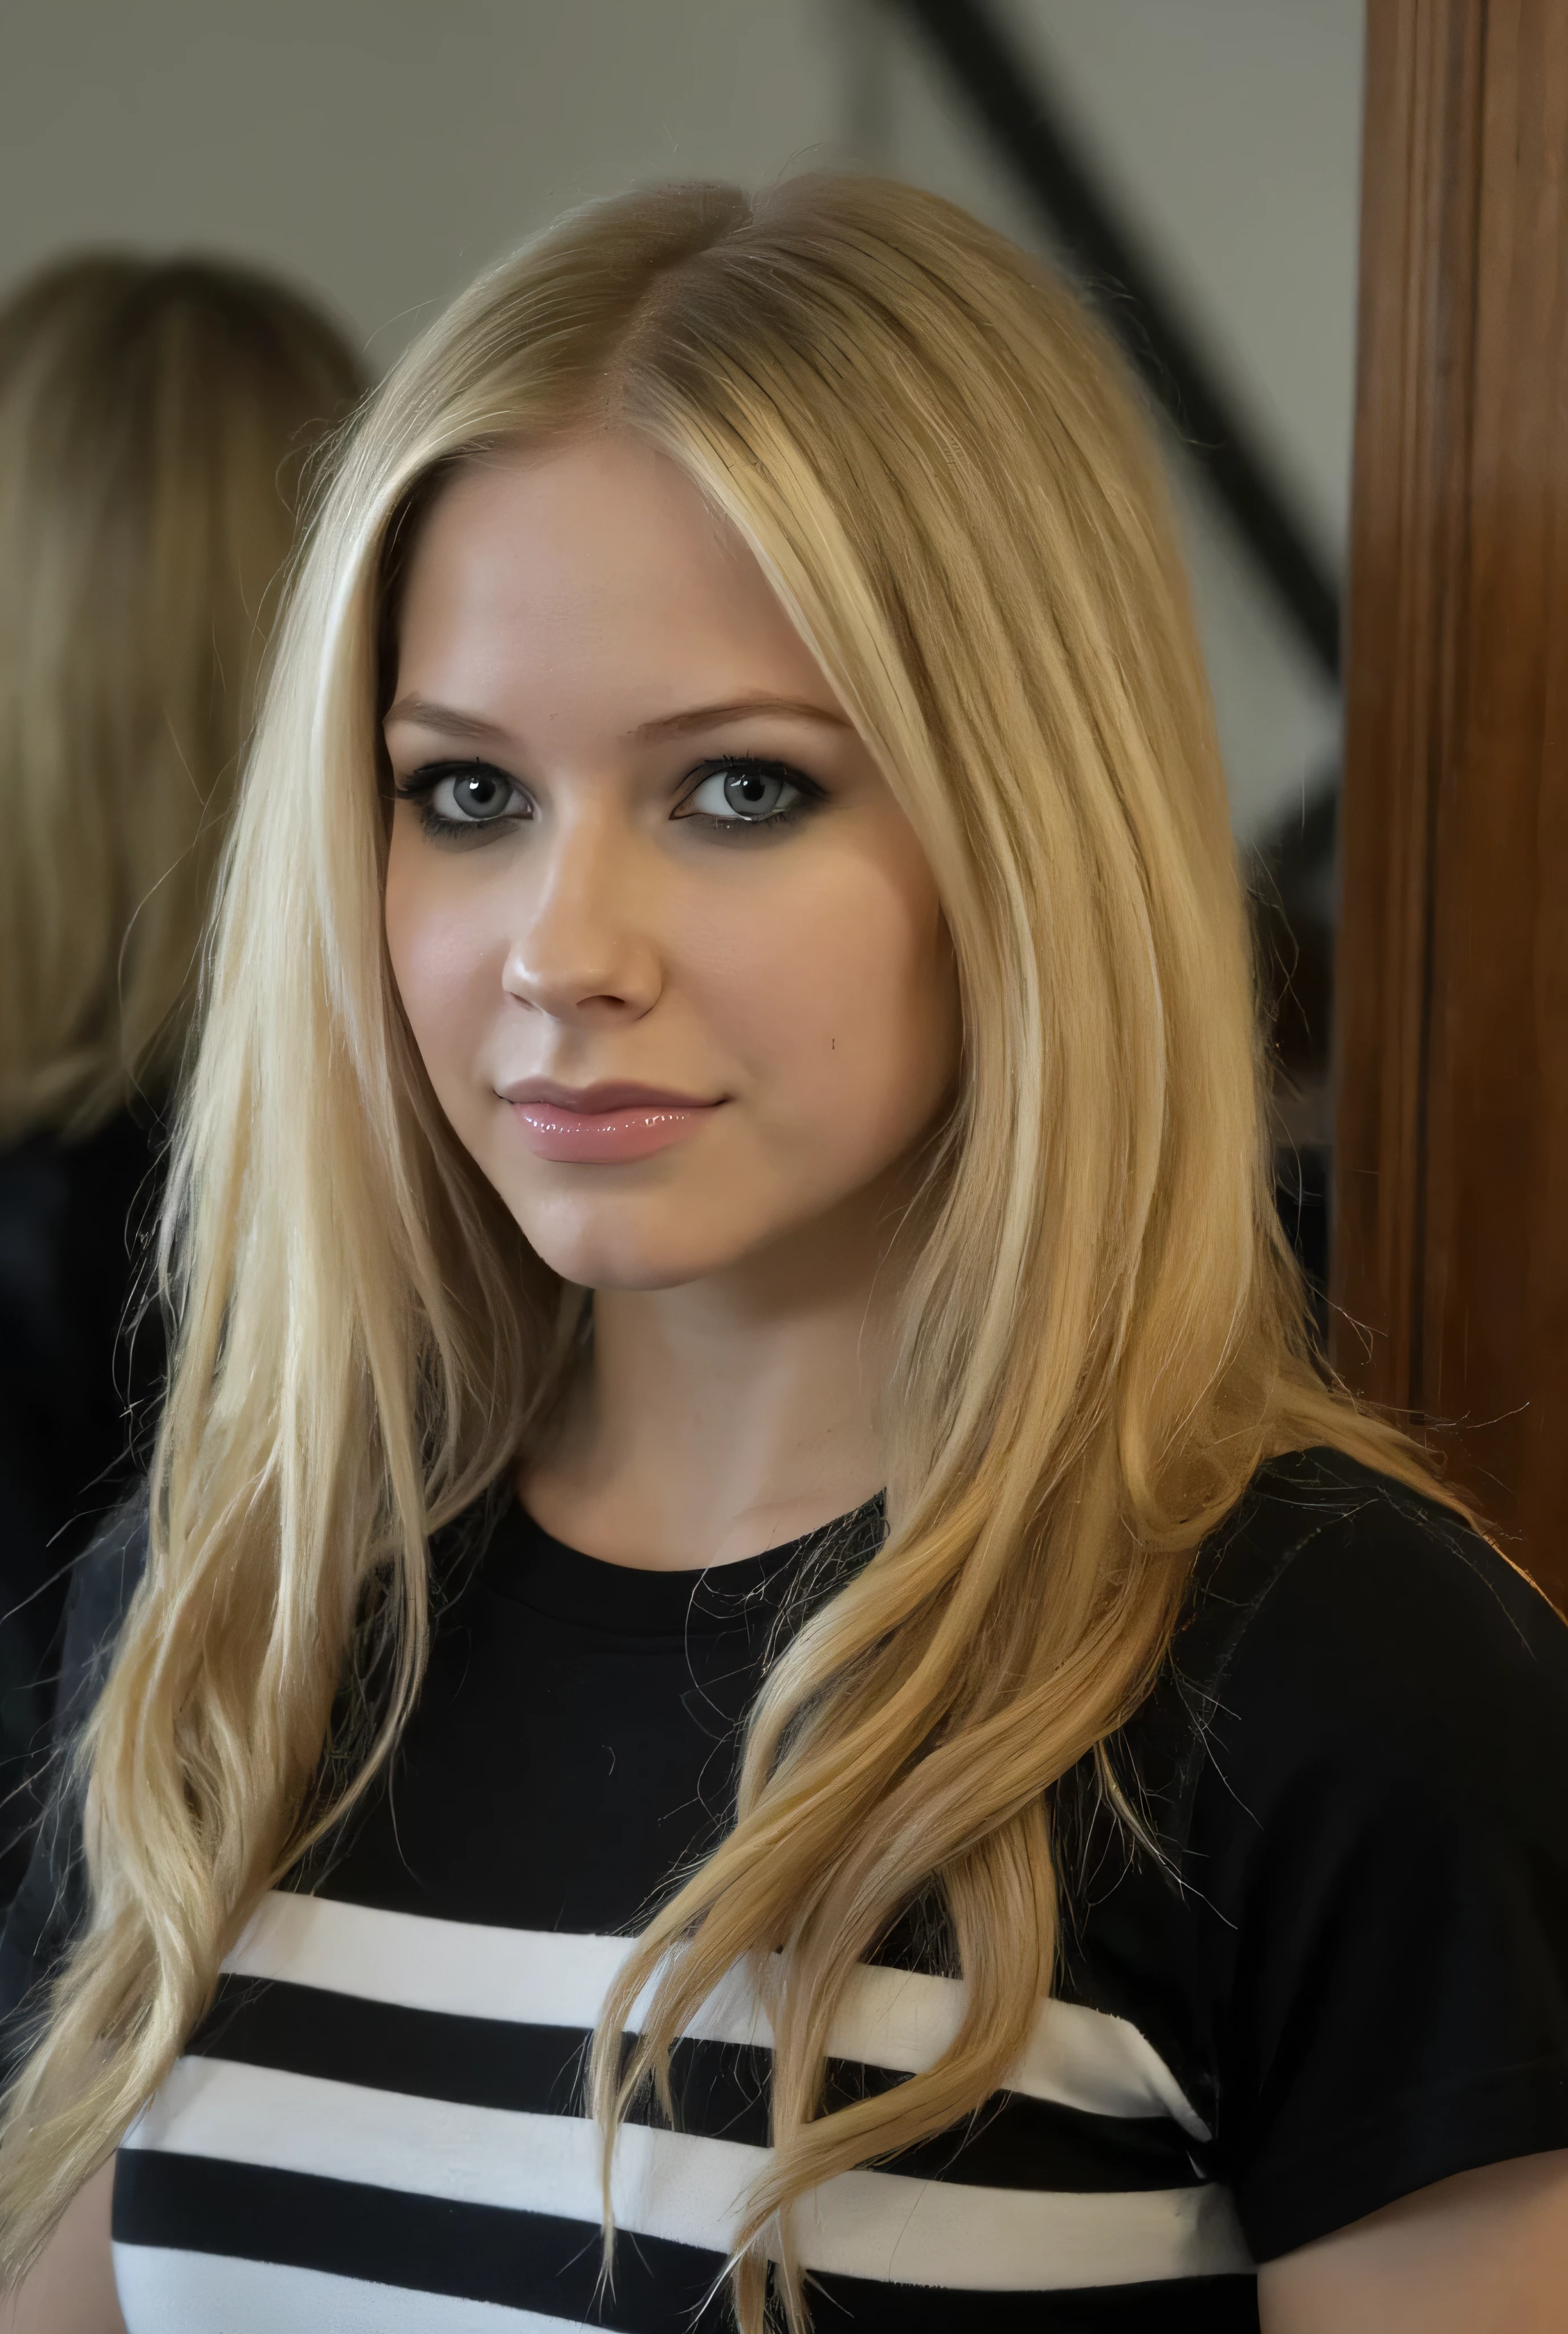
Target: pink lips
[{"x": 601, "y": 1125}]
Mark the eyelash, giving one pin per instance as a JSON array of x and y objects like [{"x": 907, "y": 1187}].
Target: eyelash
[
  {"x": 421, "y": 786},
  {"x": 761, "y": 766},
  {"x": 423, "y": 783}
]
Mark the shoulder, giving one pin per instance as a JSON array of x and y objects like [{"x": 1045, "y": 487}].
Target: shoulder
[
  {"x": 103, "y": 1582},
  {"x": 1374, "y": 1848},
  {"x": 1339, "y": 1607},
  {"x": 49, "y": 1904},
  {"x": 1353, "y": 1549},
  {"x": 1353, "y": 1659}
]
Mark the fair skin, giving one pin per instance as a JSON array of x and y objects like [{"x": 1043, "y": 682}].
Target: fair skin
[
  {"x": 608, "y": 663},
  {"x": 789, "y": 993},
  {"x": 71, "y": 2289}
]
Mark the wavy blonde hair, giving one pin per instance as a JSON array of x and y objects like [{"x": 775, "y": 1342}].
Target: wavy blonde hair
[
  {"x": 945, "y": 477},
  {"x": 155, "y": 418}
]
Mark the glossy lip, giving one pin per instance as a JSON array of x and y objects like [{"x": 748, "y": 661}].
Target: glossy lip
[{"x": 602, "y": 1124}]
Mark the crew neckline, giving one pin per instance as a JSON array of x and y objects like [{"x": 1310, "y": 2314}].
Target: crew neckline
[{"x": 528, "y": 1566}]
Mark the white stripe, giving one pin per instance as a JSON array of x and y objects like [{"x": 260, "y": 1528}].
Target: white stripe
[
  {"x": 165, "y": 2291},
  {"x": 539, "y": 1977},
  {"x": 875, "y": 2224}
]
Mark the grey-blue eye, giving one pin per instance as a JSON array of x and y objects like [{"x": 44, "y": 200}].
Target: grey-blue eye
[
  {"x": 743, "y": 792},
  {"x": 473, "y": 797}
]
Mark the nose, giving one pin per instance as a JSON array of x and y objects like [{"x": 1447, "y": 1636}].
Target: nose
[{"x": 582, "y": 950}]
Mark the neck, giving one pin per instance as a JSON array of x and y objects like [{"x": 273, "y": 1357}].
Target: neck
[{"x": 725, "y": 1417}]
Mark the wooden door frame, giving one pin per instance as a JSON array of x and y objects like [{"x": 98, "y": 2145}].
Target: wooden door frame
[{"x": 1450, "y": 1244}]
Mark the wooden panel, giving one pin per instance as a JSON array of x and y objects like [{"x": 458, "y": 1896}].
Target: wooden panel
[{"x": 1451, "y": 1189}]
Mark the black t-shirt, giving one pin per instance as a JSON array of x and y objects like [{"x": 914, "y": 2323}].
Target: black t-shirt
[
  {"x": 76, "y": 1382},
  {"x": 1344, "y": 1976}
]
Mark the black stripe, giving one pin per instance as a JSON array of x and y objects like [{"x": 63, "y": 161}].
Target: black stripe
[
  {"x": 481, "y": 2062},
  {"x": 1186, "y": 2305},
  {"x": 529, "y": 2261},
  {"x": 1015, "y": 2142},
  {"x": 1161, "y": 2307},
  {"x": 720, "y": 2089},
  {"x": 481, "y": 2252}
]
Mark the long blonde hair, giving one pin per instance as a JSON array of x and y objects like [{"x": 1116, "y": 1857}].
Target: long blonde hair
[
  {"x": 947, "y": 479},
  {"x": 155, "y": 417}
]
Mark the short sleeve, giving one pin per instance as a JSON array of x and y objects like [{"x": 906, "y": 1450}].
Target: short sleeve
[
  {"x": 1379, "y": 1845},
  {"x": 51, "y": 1903}
]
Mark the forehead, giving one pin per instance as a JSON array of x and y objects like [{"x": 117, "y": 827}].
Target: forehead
[{"x": 594, "y": 568}]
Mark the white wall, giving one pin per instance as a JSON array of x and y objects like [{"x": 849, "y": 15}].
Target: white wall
[
  {"x": 383, "y": 149},
  {"x": 1227, "y": 132},
  {"x": 1231, "y": 130}
]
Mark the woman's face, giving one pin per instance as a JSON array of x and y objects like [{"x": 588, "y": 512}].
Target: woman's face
[{"x": 669, "y": 947}]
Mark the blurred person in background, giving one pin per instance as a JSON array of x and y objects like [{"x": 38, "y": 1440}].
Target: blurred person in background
[{"x": 156, "y": 417}]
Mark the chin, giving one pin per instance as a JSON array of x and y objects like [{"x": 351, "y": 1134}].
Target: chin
[{"x": 593, "y": 1252}]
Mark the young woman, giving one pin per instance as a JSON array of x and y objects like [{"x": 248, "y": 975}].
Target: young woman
[
  {"x": 154, "y": 419},
  {"x": 764, "y": 1675}
]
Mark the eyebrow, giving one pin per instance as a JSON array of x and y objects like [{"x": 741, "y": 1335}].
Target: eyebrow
[
  {"x": 446, "y": 718},
  {"x": 455, "y": 724},
  {"x": 706, "y": 717}
]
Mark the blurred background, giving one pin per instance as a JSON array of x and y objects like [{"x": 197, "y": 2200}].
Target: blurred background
[
  {"x": 378, "y": 152},
  {"x": 1195, "y": 163}
]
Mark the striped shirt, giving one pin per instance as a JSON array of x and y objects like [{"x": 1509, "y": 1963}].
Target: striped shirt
[
  {"x": 432, "y": 2065},
  {"x": 380, "y": 2126}
]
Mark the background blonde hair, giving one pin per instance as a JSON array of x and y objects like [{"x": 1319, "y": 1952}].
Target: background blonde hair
[
  {"x": 1100, "y": 1333},
  {"x": 155, "y": 419}
]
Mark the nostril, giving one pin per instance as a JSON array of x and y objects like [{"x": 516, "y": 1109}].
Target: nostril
[{"x": 627, "y": 981}]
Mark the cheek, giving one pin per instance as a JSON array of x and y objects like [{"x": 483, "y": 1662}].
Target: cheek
[
  {"x": 443, "y": 960},
  {"x": 844, "y": 1003}
]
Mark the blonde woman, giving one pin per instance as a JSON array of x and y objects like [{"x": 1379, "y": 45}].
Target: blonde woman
[
  {"x": 764, "y": 1678},
  {"x": 155, "y": 417}
]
